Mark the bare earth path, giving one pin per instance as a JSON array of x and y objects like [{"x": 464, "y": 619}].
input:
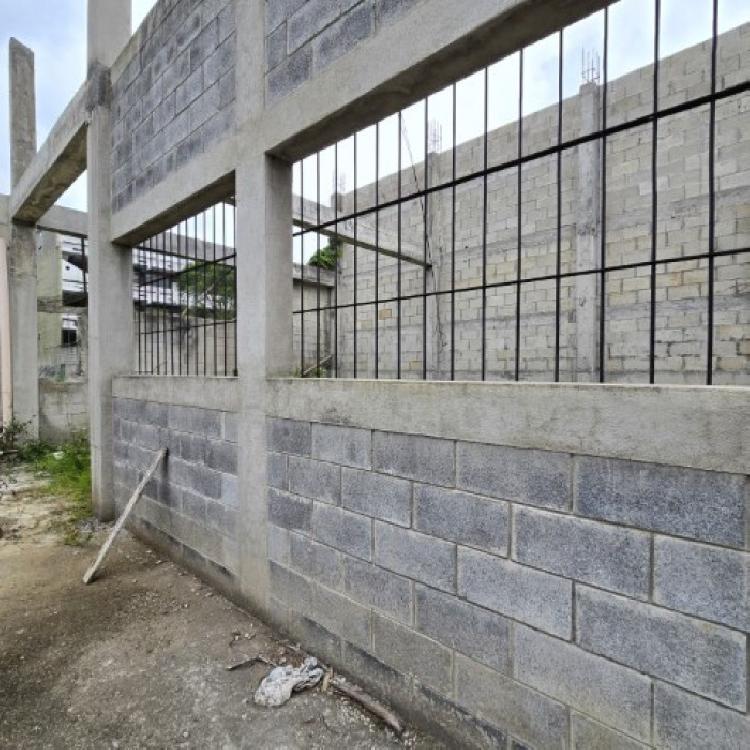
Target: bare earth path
[{"x": 138, "y": 658}]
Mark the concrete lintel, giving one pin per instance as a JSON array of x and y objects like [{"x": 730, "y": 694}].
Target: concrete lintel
[
  {"x": 430, "y": 47},
  {"x": 56, "y": 166},
  {"x": 205, "y": 180},
  {"x": 692, "y": 426},
  {"x": 220, "y": 394},
  {"x": 64, "y": 221}
]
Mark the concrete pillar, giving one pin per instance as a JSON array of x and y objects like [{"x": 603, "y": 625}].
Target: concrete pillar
[
  {"x": 21, "y": 252},
  {"x": 264, "y": 304},
  {"x": 6, "y": 392},
  {"x": 110, "y": 267},
  {"x": 588, "y": 238}
]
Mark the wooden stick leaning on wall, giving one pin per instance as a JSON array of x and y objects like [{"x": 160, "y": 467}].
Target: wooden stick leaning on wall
[{"x": 91, "y": 572}]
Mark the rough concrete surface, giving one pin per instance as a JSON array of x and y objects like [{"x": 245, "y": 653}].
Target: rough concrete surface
[{"x": 138, "y": 658}]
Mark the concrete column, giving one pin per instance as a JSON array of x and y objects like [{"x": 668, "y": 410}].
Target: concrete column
[
  {"x": 110, "y": 267},
  {"x": 6, "y": 393},
  {"x": 21, "y": 253},
  {"x": 264, "y": 331},
  {"x": 264, "y": 304},
  {"x": 588, "y": 238}
]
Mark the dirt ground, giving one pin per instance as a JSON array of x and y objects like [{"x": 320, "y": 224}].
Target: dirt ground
[{"x": 139, "y": 658}]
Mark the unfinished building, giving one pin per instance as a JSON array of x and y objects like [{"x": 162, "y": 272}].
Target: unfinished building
[{"x": 311, "y": 226}]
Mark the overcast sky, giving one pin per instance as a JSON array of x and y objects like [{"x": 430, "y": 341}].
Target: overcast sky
[{"x": 56, "y": 31}]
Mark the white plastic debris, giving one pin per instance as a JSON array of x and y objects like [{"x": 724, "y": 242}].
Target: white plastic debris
[{"x": 278, "y": 686}]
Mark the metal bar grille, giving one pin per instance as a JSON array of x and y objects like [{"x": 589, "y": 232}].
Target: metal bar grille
[
  {"x": 473, "y": 319},
  {"x": 184, "y": 298}
]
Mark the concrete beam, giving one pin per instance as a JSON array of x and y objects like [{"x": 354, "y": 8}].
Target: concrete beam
[
  {"x": 692, "y": 426},
  {"x": 57, "y": 165},
  {"x": 306, "y": 216},
  {"x": 64, "y": 220},
  {"x": 435, "y": 44}
]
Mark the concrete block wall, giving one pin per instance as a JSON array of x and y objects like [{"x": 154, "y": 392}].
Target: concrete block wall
[
  {"x": 303, "y": 37},
  {"x": 175, "y": 97},
  {"x": 63, "y": 409},
  {"x": 191, "y": 506},
  {"x": 521, "y": 595}
]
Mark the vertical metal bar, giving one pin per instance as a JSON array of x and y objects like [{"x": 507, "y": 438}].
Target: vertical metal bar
[
  {"x": 398, "y": 252},
  {"x": 139, "y": 277},
  {"x": 424, "y": 249},
  {"x": 558, "y": 260},
  {"x": 317, "y": 295},
  {"x": 354, "y": 371},
  {"x": 157, "y": 311},
  {"x": 205, "y": 296},
  {"x": 163, "y": 294},
  {"x": 519, "y": 215},
  {"x": 377, "y": 249},
  {"x": 234, "y": 291},
  {"x": 453, "y": 244},
  {"x": 83, "y": 257},
  {"x": 186, "y": 270},
  {"x": 712, "y": 196},
  {"x": 336, "y": 275},
  {"x": 654, "y": 206},
  {"x": 171, "y": 300},
  {"x": 485, "y": 161},
  {"x": 181, "y": 287},
  {"x": 213, "y": 295},
  {"x": 603, "y": 259},
  {"x": 195, "y": 276},
  {"x": 302, "y": 266}
]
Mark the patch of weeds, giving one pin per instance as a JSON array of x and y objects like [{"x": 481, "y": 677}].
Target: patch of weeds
[{"x": 68, "y": 469}]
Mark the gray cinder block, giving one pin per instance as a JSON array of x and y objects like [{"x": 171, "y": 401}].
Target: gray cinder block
[
  {"x": 617, "y": 696},
  {"x": 704, "y": 505},
  {"x": 424, "y": 558},
  {"x": 461, "y": 517},
  {"x": 315, "y": 479},
  {"x": 480, "y": 634},
  {"x": 607, "y": 556},
  {"x": 412, "y": 653},
  {"x": 288, "y": 511},
  {"x": 539, "y": 599},
  {"x": 288, "y": 436},
  {"x": 706, "y": 659},
  {"x": 377, "y": 495},
  {"x": 710, "y": 582},
  {"x": 526, "y": 476},
  {"x": 414, "y": 457},
  {"x": 378, "y": 588},
  {"x": 343, "y": 530},
  {"x": 348, "y": 446},
  {"x": 527, "y": 714}
]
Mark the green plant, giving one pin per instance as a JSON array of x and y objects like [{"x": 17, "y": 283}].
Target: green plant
[
  {"x": 69, "y": 471},
  {"x": 327, "y": 257},
  {"x": 11, "y": 433},
  {"x": 209, "y": 288}
]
